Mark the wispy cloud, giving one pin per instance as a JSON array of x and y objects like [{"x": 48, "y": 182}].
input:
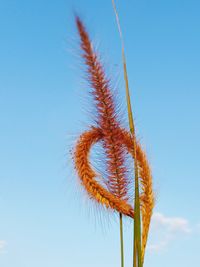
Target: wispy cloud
[
  {"x": 172, "y": 224},
  {"x": 2, "y": 246},
  {"x": 165, "y": 229}
]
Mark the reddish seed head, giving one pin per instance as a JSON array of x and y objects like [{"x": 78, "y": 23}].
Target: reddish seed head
[
  {"x": 106, "y": 115},
  {"x": 116, "y": 142}
]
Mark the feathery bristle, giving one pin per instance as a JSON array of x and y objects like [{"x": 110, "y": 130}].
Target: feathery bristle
[
  {"x": 116, "y": 141},
  {"x": 87, "y": 175},
  {"x": 103, "y": 196},
  {"x": 106, "y": 116},
  {"x": 147, "y": 197}
]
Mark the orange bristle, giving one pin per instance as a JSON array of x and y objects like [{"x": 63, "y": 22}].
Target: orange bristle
[
  {"x": 116, "y": 142},
  {"x": 106, "y": 116},
  {"x": 87, "y": 175}
]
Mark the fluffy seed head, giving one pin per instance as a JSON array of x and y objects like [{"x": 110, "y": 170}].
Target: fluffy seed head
[
  {"x": 116, "y": 142},
  {"x": 106, "y": 116}
]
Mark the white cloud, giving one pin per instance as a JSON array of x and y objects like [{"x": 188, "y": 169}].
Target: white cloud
[
  {"x": 165, "y": 229},
  {"x": 172, "y": 224},
  {"x": 2, "y": 246},
  {"x": 159, "y": 246}
]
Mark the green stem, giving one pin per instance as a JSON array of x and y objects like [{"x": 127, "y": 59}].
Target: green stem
[
  {"x": 137, "y": 261},
  {"x": 121, "y": 240},
  {"x": 137, "y": 220},
  {"x": 134, "y": 254},
  {"x": 137, "y": 223}
]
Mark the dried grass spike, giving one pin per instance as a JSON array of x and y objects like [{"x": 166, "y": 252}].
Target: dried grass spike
[
  {"x": 106, "y": 116},
  {"x": 87, "y": 175}
]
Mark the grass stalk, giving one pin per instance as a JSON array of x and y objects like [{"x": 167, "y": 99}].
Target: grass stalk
[
  {"x": 137, "y": 262},
  {"x": 115, "y": 141},
  {"x": 121, "y": 239}
]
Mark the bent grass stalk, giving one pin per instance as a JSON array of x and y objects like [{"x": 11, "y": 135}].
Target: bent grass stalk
[
  {"x": 116, "y": 142},
  {"x": 107, "y": 118}
]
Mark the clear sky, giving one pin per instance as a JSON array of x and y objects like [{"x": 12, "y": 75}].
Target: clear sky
[{"x": 44, "y": 218}]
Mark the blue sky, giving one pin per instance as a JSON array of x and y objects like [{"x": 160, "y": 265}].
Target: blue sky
[{"x": 45, "y": 219}]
